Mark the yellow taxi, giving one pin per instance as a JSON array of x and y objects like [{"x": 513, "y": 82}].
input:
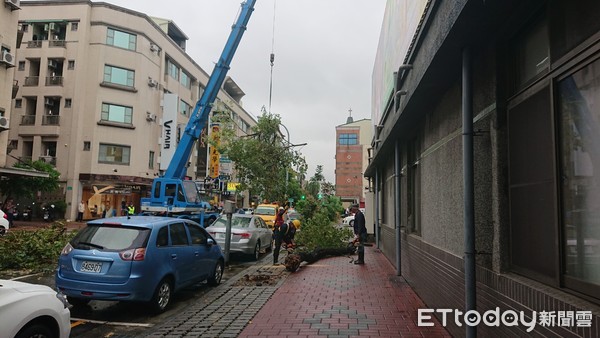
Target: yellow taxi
[{"x": 267, "y": 212}]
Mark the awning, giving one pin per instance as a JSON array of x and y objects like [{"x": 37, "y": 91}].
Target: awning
[{"x": 23, "y": 172}]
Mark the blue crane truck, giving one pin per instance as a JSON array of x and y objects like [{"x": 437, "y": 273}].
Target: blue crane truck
[{"x": 171, "y": 194}]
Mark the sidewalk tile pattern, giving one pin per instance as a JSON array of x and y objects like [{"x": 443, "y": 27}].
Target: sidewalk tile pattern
[
  {"x": 335, "y": 298},
  {"x": 222, "y": 313}
]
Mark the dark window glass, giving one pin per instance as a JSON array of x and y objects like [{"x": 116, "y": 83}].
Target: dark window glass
[
  {"x": 579, "y": 100},
  {"x": 110, "y": 238},
  {"x": 162, "y": 239},
  {"x": 178, "y": 234},
  {"x": 197, "y": 234}
]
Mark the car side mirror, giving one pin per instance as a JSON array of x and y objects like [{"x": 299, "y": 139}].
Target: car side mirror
[{"x": 210, "y": 242}]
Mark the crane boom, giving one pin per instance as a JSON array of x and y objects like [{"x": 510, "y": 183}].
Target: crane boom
[{"x": 171, "y": 193}]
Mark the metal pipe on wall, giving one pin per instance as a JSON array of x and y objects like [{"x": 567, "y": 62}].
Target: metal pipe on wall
[
  {"x": 377, "y": 208},
  {"x": 468, "y": 188},
  {"x": 397, "y": 218}
]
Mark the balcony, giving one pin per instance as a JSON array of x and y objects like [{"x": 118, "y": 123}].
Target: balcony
[
  {"x": 50, "y": 120},
  {"x": 34, "y": 44},
  {"x": 48, "y": 159},
  {"x": 57, "y": 43},
  {"x": 27, "y": 120},
  {"x": 32, "y": 81},
  {"x": 54, "y": 81}
]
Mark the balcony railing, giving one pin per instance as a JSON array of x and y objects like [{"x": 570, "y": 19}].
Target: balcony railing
[
  {"x": 57, "y": 43},
  {"x": 34, "y": 44},
  {"x": 48, "y": 159},
  {"x": 32, "y": 81},
  {"x": 27, "y": 120},
  {"x": 54, "y": 81},
  {"x": 50, "y": 120}
]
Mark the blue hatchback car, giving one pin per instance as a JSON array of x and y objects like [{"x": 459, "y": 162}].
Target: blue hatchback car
[{"x": 137, "y": 258}]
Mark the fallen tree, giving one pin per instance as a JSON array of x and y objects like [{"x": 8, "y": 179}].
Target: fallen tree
[{"x": 293, "y": 260}]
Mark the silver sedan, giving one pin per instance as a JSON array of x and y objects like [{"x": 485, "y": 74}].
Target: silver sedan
[{"x": 249, "y": 234}]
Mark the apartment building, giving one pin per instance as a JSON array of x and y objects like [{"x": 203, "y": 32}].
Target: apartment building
[{"x": 105, "y": 94}]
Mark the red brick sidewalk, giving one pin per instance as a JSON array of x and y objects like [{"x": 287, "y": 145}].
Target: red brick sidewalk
[{"x": 333, "y": 297}]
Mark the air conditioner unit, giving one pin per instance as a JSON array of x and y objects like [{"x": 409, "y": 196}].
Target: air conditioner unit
[
  {"x": 150, "y": 117},
  {"x": 48, "y": 102},
  {"x": 52, "y": 63},
  {"x": 154, "y": 48},
  {"x": 4, "y": 123},
  {"x": 152, "y": 83},
  {"x": 7, "y": 58},
  {"x": 14, "y": 4}
]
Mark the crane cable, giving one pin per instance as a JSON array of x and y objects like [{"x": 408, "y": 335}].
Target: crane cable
[{"x": 272, "y": 57}]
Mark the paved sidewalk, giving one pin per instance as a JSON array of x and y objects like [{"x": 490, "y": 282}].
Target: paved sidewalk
[
  {"x": 334, "y": 298},
  {"x": 329, "y": 298}
]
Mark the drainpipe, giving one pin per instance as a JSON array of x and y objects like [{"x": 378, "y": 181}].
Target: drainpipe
[
  {"x": 468, "y": 183},
  {"x": 397, "y": 211},
  {"x": 377, "y": 208}
]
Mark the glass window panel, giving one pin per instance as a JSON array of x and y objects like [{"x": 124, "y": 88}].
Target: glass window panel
[
  {"x": 119, "y": 76},
  {"x": 116, "y": 113},
  {"x": 579, "y": 102},
  {"x": 117, "y": 154},
  {"x": 121, "y": 39}
]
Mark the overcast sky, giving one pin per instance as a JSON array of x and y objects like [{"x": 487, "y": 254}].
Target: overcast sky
[{"x": 324, "y": 54}]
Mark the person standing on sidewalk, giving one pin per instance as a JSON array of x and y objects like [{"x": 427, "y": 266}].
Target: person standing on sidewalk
[
  {"x": 80, "y": 210},
  {"x": 277, "y": 233},
  {"x": 360, "y": 233}
]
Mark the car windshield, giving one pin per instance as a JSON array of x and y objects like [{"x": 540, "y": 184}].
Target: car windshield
[
  {"x": 110, "y": 238},
  {"x": 265, "y": 211},
  {"x": 239, "y": 222}
]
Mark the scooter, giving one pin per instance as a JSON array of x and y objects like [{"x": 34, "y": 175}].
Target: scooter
[
  {"x": 49, "y": 213},
  {"x": 26, "y": 214}
]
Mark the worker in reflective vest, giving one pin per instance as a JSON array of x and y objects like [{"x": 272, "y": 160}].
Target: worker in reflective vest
[{"x": 130, "y": 209}]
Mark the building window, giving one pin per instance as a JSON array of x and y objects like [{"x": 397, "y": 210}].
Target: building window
[
  {"x": 74, "y": 26},
  {"x": 185, "y": 80},
  {"x": 120, "y": 76},
  {"x": 348, "y": 139},
  {"x": 68, "y": 103},
  {"x": 184, "y": 108},
  {"x": 116, "y": 113},
  {"x": 531, "y": 54},
  {"x": 71, "y": 64},
  {"x": 115, "y": 154},
  {"x": 121, "y": 39},
  {"x": 172, "y": 69},
  {"x": 151, "y": 160},
  {"x": 18, "y": 103},
  {"x": 87, "y": 145},
  {"x": 25, "y": 28},
  {"x": 579, "y": 98},
  {"x": 21, "y": 65}
]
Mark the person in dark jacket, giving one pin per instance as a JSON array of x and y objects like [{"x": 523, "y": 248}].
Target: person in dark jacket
[{"x": 360, "y": 233}]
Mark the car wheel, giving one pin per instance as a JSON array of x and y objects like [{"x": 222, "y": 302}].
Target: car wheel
[
  {"x": 78, "y": 301},
  {"x": 37, "y": 330},
  {"x": 162, "y": 296},
  {"x": 351, "y": 223},
  {"x": 256, "y": 253},
  {"x": 217, "y": 275},
  {"x": 2, "y": 231}
]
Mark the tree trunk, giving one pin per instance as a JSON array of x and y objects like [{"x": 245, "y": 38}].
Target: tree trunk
[{"x": 292, "y": 261}]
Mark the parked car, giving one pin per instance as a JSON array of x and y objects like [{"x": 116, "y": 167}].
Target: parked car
[
  {"x": 31, "y": 310},
  {"x": 249, "y": 234},
  {"x": 348, "y": 221},
  {"x": 138, "y": 258},
  {"x": 4, "y": 223},
  {"x": 267, "y": 212},
  {"x": 294, "y": 216}
]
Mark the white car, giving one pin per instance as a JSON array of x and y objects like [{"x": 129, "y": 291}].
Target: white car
[
  {"x": 32, "y": 310},
  {"x": 348, "y": 221},
  {"x": 4, "y": 224}
]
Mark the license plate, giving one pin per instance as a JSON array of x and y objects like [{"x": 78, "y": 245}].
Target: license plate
[{"x": 95, "y": 267}]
